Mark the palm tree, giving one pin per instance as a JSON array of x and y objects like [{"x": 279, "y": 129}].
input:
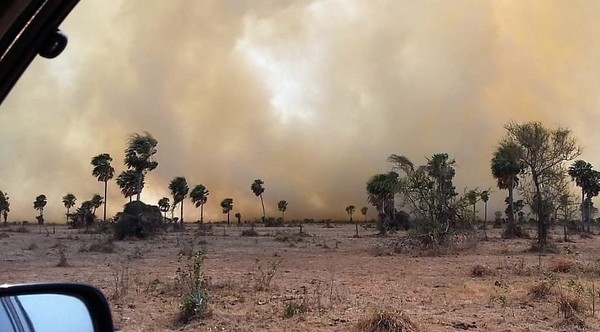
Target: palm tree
[
  {"x": 227, "y": 205},
  {"x": 350, "y": 210},
  {"x": 441, "y": 168},
  {"x": 199, "y": 196},
  {"x": 96, "y": 201},
  {"x": 587, "y": 179},
  {"x": 179, "y": 189},
  {"x": 472, "y": 197},
  {"x": 4, "y": 206},
  {"x": 39, "y": 204},
  {"x": 506, "y": 166},
  {"x": 238, "y": 216},
  {"x": 164, "y": 205},
  {"x": 128, "y": 182},
  {"x": 485, "y": 197},
  {"x": 139, "y": 157},
  {"x": 85, "y": 214},
  {"x": 364, "y": 211},
  {"x": 69, "y": 201},
  {"x": 103, "y": 171},
  {"x": 258, "y": 190},
  {"x": 282, "y": 206},
  {"x": 381, "y": 189}
]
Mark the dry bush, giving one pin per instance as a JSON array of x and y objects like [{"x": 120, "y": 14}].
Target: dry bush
[
  {"x": 249, "y": 232},
  {"x": 386, "y": 321},
  {"x": 540, "y": 291},
  {"x": 290, "y": 237},
  {"x": 264, "y": 275},
  {"x": 103, "y": 245},
  {"x": 519, "y": 268},
  {"x": 4, "y": 235},
  {"x": 481, "y": 271},
  {"x": 562, "y": 264},
  {"x": 293, "y": 308},
  {"x": 570, "y": 306},
  {"x": 573, "y": 323}
]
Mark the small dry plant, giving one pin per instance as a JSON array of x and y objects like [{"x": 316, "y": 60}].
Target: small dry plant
[
  {"x": 121, "y": 273},
  {"x": 264, "y": 274},
  {"x": 386, "y": 321},
  {"x": 480, "y": 270},
  {"x": 192, "y": 286},
  {"x": 63, "y": 254}
]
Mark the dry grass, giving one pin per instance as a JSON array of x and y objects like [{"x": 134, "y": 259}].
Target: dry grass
[
  {"x": 540, "y": 291},
  {"x": 386, "y": 321},
  {"x": 562, "y": 264},
  {"x": 481, "y": 271}
]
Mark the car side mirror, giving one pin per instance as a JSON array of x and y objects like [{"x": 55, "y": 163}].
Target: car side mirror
[{"x": 50, "y": 307}]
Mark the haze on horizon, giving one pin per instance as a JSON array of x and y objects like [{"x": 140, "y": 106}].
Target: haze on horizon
[{"x": 309, "y": 96}]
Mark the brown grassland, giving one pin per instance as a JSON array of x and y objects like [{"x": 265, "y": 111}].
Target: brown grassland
[{"x": 326, "y": 281}]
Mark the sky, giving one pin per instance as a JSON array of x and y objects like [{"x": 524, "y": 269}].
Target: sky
[{"x": 311, "y": 96}]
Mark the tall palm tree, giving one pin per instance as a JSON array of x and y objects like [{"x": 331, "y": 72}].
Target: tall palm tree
[
  {"x": 96, "y": 201},
  {"x": 179, "y": 190},
  {"x": 472, "y": 197},
  {"x": 441, "y": 168},
  {"x": 4, "y": 206},
  {"x": 282, "y": 207},
  {"x": 39, "y": 204},
  {"x": 258, "y": 190},
  {"x": 128, "y": 182},
  {"x": 381, "y": 189},
  {"x": 103, "y": 171},
  {"x": 364, "y": 211},
  {"x": 583, "y": 174},
  {"x": 139, "y": 157},
  {"x": 350, "y": 211},
  {"x": 485, "y": 197},
  {"x": 69, "y": 201},
  {"x": 227, "y": 205},
  {"x": 506, "y": 166},
  {"x": 164, "y": 205},
  {"x": 199, "y": 196}
]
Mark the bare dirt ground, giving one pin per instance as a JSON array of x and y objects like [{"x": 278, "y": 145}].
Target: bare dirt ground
[{"x": 336, "y": 278}]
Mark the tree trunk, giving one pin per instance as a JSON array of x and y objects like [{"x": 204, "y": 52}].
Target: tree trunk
[
  {"x": 356, "y": 225},
  {"x": 588, "y": 213},
  {"x": 227, "y": 217},
  {"x": 201, "y": 214},
  {"x": 105, "y": 200},
  {"x": 511, "y": 228},
  {"x": 582, "y": 208},
  {"x": 485, "y": 221},
  {"x": 181, "y": 212},
  {"x": 139, "y": 186},
  {"x": 263, "y": 207},
  {"x": 542, "y": 224}
]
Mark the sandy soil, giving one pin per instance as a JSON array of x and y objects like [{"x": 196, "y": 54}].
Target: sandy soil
[{"x": 338, "y": 278}]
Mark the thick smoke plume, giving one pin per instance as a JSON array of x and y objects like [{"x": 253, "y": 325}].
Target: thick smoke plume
[{"x": 309, "y": 96}]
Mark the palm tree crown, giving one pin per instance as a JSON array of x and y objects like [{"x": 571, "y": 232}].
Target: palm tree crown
[{"x": 139, "y": 157}]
